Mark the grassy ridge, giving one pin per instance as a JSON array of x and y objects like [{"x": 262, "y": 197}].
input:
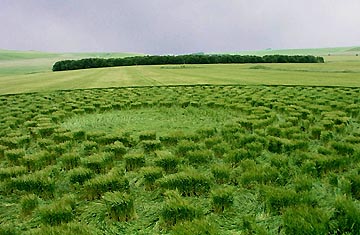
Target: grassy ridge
[
  {"x": 28, "y": 62},
  {"x": 21, "y": 55},
  {"x": 308, "y": 51}
]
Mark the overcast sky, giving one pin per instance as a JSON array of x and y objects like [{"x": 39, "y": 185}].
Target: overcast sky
[{"x": 177, "y": 26}]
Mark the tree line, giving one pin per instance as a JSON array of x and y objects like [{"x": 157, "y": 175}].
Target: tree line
[{"x": 182, "y": 59}]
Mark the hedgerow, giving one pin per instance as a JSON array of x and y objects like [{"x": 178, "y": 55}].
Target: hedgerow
[{"x": 181, "y": 59}]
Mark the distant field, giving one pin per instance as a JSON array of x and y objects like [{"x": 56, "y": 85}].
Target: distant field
[
  {"x": 312, "y": 51},
  {"x": 28, "y": 62},
  {"x": 18, "y": 55},
  {"x": 6, "y": 55},
  {"x": 33, "y": 75},
  {"x": 337, "y": 73}
]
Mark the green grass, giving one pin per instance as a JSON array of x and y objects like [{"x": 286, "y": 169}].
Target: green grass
[
  {"x": 6, "y": 55},
  {"x": 337, "y": 73},
  {"x": 31, "y": 62},
  {"x": 151, "y": 119},
  {"x": 190, "y": 159},
  {"x": 242, "y": 159},
  {"x": 22, "y": 55},
  {"x": 31, "y": 72}
]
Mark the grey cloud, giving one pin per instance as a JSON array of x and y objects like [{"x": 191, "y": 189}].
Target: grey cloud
[{"x": 177, "y": 26}]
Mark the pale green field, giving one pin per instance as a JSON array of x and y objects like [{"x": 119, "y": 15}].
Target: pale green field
[
  {"x": 311, "y": 51},
  {"x": 34, "y": 75},
  {"x": 29, "y": 62}
]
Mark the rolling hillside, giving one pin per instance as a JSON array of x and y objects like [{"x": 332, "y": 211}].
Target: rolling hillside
[
  {"x": 31, "y": 72},
  {"x": 28, "y": 62},
  {"x": 309, "y": 51}
]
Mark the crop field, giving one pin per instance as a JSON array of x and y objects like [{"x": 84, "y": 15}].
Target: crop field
[
  {"x": 200, "y": 159},
  {"x": 180, "y": 149},
  {"x": 24, "y": 72},
  {"x": 334, "y": 72}
]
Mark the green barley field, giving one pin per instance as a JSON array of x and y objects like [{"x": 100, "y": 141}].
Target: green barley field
[
  {"x": 185, "y": 149},
  {"x": 24, "y": 72}
]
